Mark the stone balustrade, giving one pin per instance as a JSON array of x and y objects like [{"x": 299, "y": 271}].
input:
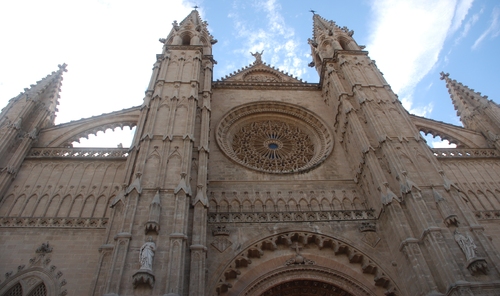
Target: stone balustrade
[
  {"x": 464, "y": 153},
  {"x": 80, "y": 153}
]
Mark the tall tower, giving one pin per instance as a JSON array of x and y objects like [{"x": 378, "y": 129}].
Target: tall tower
[
  {"x": 22, "y": 119},
  {"x": 419, "y": 210},
  {"x": 164, "y": 194},
  {"x": 475, "y": 111}
]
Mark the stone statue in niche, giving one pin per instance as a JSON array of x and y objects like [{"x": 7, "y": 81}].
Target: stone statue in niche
[
  {"x": 467, "y": 245},
  {"x": 146, "y": 254}
]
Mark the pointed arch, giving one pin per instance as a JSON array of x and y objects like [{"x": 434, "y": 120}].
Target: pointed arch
[
  {"x": 358, "y": 205},
  {"x": 224, "y": 206},
  {"x": 475, "y": 201},
  {"x": 88, "y": 206},
  {"x": 258, "y": 206},
  {"x": 53, "y": 206},
  {"x": 212, "y": 205},
  {"x": 64, "y": 206},
  {"x": 269, "y": 205},
  {"x": 493, "y": 199},
  {"x": 484, "y": 200},
  {"x": 6, "y": 205},
  {"x": 314, "y": 205},
  {"x": 100, "y": 207},
  {"x": 76, "y": 207},
  {"x": 347, "y": 204},
  {"x": 303, "y": 205},
  {"x": 17, "y": 206},
  {"x": 235, "y": 205},
  {"x": 363, "y": 276},
  {"x": 337, "y": 205},
  {"x": 325, "y": 204},
  {"x": 41, "y": 206},
  {"x": 281, "y": 205}
]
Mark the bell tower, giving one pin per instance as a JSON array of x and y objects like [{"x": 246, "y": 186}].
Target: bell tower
[
  {"x": 164, "y": 191},
  {"x": 418, "y": 207}
]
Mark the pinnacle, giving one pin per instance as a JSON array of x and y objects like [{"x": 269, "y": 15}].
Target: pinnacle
[{"x": 41, "y": 85}]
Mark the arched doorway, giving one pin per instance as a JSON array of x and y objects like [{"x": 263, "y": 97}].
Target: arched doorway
[
  {"x": 300, "y": 258},
  {"x": 307, "y": 280},
  {"x": 305, "y": 288}
]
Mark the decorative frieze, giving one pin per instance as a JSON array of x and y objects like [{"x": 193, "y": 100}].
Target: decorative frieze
[
  {"x": 79, "y": 153},
  {"x": 291, "y": 216},
  {"x": 488, "y": 215},
  {"x": 46, "y": 222},
  {"x": 464, "y": 153}
]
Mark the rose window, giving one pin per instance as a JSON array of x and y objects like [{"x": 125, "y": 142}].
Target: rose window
[
  {"x": 273, "y": 146},
  {"x": 274, "y": 138}
]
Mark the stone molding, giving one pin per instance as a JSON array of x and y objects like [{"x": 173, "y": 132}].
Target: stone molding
[
  {"x": 45, "y": 222},
  {"x": 291, "y": 216},
  {"x": 79, "y": 153}
]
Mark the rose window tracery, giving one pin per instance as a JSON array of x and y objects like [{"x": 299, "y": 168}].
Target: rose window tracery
[
  {"x": 273, "y": 146},
  {"x": 274, "y": 137}
]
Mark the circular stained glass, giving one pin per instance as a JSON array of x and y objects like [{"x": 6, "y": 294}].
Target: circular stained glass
[
  {"x": 274, "y": 138},
  {"x": 273, "y": 145}
]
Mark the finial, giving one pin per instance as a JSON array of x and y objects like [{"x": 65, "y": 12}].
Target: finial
[
  {"x": 63, "y": 67},
  {"x": 444, "y": 75},
  {"x": 196, "y": 7},
  {"x": 313, "y": 11}
]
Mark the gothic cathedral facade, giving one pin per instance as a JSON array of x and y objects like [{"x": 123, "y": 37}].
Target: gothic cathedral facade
[{"x": 256, "y": 184}]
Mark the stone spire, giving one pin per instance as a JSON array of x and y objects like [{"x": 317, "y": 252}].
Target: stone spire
[
  {"x": 45, "y": 91},
  {"x": 475, "y": 110},
  {"x": 191, "y": 31},
  {"x": 21, "y": 121},
  {"x": 328, "y": 38}
]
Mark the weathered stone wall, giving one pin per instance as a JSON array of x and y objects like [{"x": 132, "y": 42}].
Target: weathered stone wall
[
  {"x": 75, "y": 254},
  {"x": 63, "y": 188},
  {"x": 65, "y": 202}
]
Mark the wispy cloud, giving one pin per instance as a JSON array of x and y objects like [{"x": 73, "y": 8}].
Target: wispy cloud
[
  {"x": 277, "y": 39},
  {"x": 492, "y": 31},
  {"x": 461, "y": 11},
  {"x": 468, "y": 25},
  {"x": 407, "y": 38}
]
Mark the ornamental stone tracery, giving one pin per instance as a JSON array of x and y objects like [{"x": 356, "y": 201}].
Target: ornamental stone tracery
[
  {"x": 274, "y": 138},
  {"x": 273, "y": 146}
]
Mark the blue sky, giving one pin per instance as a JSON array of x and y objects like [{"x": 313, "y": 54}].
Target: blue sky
[{"x": 110, "y": 46}]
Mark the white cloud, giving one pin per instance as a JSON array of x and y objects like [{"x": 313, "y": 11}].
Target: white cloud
[
  {"x": 461, "y": 11},
  {"x": 105, "y": 44},
  {"x": 278, "y": 40},
  {"x": 493, "y": 30},
  {"x": 407, "y": 38},
  {"x": 442, "y": 144},
  {"x": 468, "y": 25},
  {"x": 418, "y": 110}
]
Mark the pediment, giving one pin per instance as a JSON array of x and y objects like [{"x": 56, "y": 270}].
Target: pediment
[{"x": 260, "y": 73}]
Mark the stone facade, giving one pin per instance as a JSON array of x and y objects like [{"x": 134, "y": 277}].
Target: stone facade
[{"x": 256, "y": 184}]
